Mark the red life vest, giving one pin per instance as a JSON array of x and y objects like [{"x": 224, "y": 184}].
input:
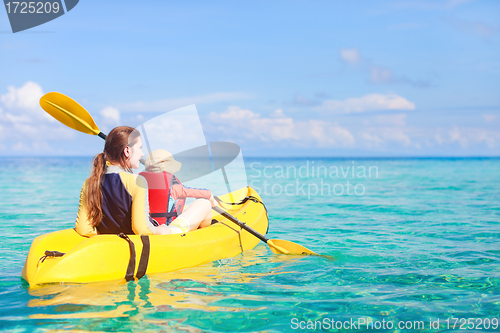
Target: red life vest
[{"x": 159, "y": 186}]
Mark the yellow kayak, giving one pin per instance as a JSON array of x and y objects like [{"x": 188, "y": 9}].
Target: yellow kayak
[{"x": 106, "y": 257}]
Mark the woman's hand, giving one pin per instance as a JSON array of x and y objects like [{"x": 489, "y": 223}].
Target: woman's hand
[{"x": 213, "y": 201}]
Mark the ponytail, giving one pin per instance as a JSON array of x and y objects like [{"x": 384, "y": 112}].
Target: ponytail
[
  {"x": 116, "y": 141},
  {"x": 94, "y": 193}
]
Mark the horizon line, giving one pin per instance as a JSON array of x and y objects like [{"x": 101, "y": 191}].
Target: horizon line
[{"x": 285, "y": 157}]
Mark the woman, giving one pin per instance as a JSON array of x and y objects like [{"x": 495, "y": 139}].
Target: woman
[{"x": 113, "y": 199}]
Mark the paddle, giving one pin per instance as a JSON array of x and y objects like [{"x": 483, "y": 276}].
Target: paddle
[
  {"x": 278, "y": 246},
  {"x": 70, "y": 113},
  {"x": 73, "y": 115}
]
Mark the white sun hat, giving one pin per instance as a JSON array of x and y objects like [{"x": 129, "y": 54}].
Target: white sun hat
[{"x": 161, "y": 160}]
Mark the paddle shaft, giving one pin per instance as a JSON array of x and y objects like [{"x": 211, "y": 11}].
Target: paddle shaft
[{"x": 241, "y": 224}]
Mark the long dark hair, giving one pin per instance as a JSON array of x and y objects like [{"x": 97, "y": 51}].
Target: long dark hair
[{"x": 116, "y": 141}]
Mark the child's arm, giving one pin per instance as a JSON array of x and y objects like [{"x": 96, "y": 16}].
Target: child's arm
[{"x": 180, "y": 191}]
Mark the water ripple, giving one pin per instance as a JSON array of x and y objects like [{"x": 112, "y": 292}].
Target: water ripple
[{"x": 422, "y": 243}]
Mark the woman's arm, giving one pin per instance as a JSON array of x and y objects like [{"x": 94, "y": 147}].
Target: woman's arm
[
  {"x": 82, "y": 224},
  {"x": 137, "y": 186}
]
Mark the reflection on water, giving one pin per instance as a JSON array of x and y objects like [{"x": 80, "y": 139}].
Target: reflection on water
[{"x": 206, "y": 288}]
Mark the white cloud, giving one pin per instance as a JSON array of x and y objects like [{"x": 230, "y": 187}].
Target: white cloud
[
  {"x": 110, "y": 115},
  {"x": 456, "y": 136},
  {"x": 489, "y": 117},
  {"x": 253, "y": 125},
  {"x": 392, "y": 119},
  {"x": 372, "y": 140},
  {"x": 381, "y": 75},
  {"x": 278, "y": 113},
  {"x": 366, "y": 103},
  {"x": 382, "y": 137},
  {"x": 398, "y": 135},
  {"x": 438, "y": 138},
  {"x": 466, "y": 137},
  {"x": 28, "y": 147},
  {"x": 21, "y": 147},
  {"x": 469, "y": 136},
  {"x": 351, "y": 56},
  {"x": 377, "y": 74},
  {"x": 175, "y": 103},
  {"x": 25, "y": 126},
  {"x": 240, "y": 123},
  {"x": 235, "y": 113},
  {"x": 396, "y": 131},
  {"x": 383, "y": 131},
  {"x": 25, "y": 97},
  {"x": 175, "y": 131},
  {"x": 327, "y": 134}
]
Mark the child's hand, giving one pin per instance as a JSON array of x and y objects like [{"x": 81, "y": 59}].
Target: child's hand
[{"x": 163, "y": 230}]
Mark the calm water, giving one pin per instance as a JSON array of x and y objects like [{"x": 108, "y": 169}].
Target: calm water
[{"x": 415, "y": 240}]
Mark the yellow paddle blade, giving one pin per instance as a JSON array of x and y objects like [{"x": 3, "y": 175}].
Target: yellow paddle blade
[
  {"x": 69, "y": 112},
  {"x": 280, "y": 246}
]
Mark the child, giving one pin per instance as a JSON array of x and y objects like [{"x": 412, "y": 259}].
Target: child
[{"x": 167, "y": 196}]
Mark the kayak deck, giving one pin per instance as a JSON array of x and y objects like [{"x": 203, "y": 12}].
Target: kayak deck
[{"x": 106, "y": 257}]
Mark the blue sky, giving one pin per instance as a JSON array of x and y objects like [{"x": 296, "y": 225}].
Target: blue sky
[{"x": 279, "y": 78}]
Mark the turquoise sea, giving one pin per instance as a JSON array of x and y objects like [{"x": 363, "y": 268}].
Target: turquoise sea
[{"x": 415, "y": 241}]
